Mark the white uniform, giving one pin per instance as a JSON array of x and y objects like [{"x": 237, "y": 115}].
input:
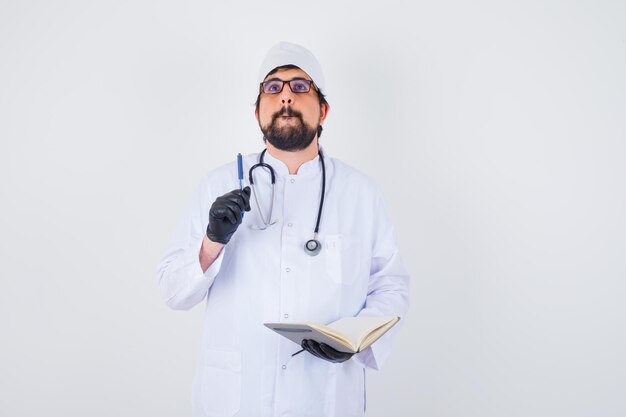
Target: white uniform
[{"x": 244, "y": 368}]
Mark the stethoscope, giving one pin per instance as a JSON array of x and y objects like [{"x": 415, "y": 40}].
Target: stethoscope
[{"x": 311, "y": 247}]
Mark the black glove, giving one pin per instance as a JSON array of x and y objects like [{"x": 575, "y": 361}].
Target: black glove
[
  {"x": 225, "y": 215},
  {"x": 325, "y": 352}
]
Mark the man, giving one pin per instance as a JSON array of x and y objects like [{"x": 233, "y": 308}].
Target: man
[{"x": 252, "y": 267}]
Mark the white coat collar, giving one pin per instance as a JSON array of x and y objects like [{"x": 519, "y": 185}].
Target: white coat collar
[{"x": 309, "y": 168}]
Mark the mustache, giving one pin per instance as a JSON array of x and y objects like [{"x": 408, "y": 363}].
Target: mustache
[{"x": 287, "y": 111}]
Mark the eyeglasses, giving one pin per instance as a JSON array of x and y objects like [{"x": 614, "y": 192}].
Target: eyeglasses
[{"x": 297, "y": 85}]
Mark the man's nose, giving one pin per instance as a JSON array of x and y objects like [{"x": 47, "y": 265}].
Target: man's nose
[{"x": 286, "y": 96}]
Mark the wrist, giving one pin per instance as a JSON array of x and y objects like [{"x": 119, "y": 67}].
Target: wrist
[
  {"x": 209, "y": 252},
  {"x": 211, "y": 246}
]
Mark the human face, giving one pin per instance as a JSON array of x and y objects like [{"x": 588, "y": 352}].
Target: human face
[{"x": 288, "y": 120}]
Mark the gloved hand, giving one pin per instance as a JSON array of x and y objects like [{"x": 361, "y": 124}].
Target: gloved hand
[
  {"x": 324, "y": 351},
  {"x": 225, "y": 215}
]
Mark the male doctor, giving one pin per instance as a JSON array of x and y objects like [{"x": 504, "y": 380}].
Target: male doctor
[{"x": 253, "y": 262}]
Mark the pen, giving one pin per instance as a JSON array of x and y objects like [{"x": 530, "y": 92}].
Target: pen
[
  {"x": 240, "y": 171},
  {"x": 300, "y": 351},
  {"x": 240, "y": 174}
]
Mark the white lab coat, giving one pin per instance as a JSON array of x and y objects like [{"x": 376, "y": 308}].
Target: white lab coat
[{"x": 245, "y": 369}]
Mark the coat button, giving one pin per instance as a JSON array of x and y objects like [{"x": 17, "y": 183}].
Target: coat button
[
  {"x": 293, "y": 180},
  {"x": 289, "y": 224},
  {"x": 286, "y": 316},
  {"x": 284, "y": 366},
  {"x": 288, "y": 269}
]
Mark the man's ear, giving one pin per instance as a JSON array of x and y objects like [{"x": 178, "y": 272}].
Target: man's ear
[
  {"x": 256, "y": 114},
  {"x": 324, "y": 109}
]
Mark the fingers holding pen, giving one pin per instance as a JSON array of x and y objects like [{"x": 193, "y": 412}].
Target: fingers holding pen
[
  {"x": 241, "y": 198},
  {"x": 226, "y": 214}
]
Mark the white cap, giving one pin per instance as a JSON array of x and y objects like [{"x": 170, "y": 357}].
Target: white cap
[{"x": 285, "y": 53}]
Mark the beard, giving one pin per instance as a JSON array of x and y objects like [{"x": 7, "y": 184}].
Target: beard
[{"x": 293, "y": 137}]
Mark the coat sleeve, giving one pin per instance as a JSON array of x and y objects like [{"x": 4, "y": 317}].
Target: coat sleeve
[
  {"x": 388, "y": 288},
  {"x": 181, "y": 280}
]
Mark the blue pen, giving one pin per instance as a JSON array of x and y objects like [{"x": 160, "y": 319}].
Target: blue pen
[{"x": 240, "y": 173}]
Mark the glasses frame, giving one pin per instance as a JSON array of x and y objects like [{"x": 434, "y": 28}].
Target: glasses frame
[{"x": 311, "y": 84}]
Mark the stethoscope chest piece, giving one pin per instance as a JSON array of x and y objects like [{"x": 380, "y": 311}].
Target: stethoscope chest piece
[{"x": 312, "y": 247}]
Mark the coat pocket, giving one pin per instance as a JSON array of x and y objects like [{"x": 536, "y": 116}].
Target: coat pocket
[
  {"x": 343, "y": 258},
  {"x": 221, "y": 383}
]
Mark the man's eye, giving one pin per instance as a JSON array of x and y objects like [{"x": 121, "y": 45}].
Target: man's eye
[
  {"x": 273, "y": 87},
  {"x": 299, "y": 86}
]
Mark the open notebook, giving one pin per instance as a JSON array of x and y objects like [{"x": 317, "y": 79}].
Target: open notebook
[{"x": 349, "y": 334}]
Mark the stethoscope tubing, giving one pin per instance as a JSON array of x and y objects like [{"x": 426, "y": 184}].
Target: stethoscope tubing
[{"x": 312, "y": 246}]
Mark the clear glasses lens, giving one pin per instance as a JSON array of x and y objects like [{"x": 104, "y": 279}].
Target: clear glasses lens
[
  {"x": 272, "y": 87},
  {"x": 300, "y": 86}
]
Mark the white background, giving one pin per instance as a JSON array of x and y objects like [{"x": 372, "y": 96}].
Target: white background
[{"x": 497, "y": 131}]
